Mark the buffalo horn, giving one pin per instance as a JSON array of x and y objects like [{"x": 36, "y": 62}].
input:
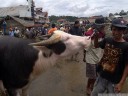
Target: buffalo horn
[{"x": 53, "y": 39}]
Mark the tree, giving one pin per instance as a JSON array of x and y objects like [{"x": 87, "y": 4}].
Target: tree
[
  {"x": 54, "y": 18},
  {"x": 110, "y": 14},
  {"x": 123, "y": 13},
  {"x": 116, "y": 13}
]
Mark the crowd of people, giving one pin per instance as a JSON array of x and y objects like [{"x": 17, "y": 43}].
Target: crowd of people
[
  {"x": 35, "y": 31},
  {"x": 106, "y": 58}
]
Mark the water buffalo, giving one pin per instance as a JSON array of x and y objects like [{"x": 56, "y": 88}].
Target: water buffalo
[{"x": 22, "y": 61}]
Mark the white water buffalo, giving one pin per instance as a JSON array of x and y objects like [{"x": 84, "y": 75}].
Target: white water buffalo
[{"x": 21, "y": 60}]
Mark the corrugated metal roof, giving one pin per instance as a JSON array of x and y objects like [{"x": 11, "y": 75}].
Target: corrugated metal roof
[
  {"x": 23, "y": 22},
  {"x": 12, "y": 11},
  {"x": 91, "y": 20}
]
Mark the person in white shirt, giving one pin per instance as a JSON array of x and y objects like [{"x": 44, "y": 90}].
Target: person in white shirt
[{"x": 93, "y": 55}]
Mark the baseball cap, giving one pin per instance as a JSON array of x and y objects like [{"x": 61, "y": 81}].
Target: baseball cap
[
  {"x": 118, "y": 22},
  {"x": 100, "y": 21}
]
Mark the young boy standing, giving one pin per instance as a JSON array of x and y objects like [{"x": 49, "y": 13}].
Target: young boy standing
[
  {"x": 93, "y": 55},
  {"x": 113, "y": 67}
]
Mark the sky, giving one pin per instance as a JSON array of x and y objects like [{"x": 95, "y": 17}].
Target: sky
[{"x": 80, "y": 8}]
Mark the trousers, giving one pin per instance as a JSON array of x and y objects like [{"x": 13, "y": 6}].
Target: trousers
[{"x": 101, "y": 86}]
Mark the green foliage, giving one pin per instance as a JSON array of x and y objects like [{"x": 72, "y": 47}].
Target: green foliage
[
  {"x": 122, "y": 12},
  {"x": 53, "y": 18}
]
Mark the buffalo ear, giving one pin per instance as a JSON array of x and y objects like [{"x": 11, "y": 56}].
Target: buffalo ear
[
  {"x": 57, "y": 48},
  {"x": 45, "y": 51}
]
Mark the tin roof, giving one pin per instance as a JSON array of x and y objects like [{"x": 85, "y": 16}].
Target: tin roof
[
  {"x": 13, "y": 11},
  {"x": 23, "y": 22}
]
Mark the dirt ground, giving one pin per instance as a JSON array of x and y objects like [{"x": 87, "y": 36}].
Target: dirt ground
[{"x": 67, "y": 78}]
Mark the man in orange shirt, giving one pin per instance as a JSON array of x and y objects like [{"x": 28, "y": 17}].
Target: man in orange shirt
[{"x": 52, "y": 29}]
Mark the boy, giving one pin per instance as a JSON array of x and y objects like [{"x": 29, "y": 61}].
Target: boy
[{"x": 113, "y": 67}]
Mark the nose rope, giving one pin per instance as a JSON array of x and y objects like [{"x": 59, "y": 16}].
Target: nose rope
[{"x": 92, "y": 34}]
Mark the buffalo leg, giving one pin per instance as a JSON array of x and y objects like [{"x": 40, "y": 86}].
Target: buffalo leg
[
  {"x": 25, "y": 91},
  {"x": 2, "y": 88},
  {"x": 12, "y": 92}
]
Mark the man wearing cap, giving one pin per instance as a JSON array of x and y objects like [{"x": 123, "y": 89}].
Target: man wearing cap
[
  {"x": 93, "y": 55},
  {"x": 113, "y": 67},
  {"x": 62, "y": 27}
]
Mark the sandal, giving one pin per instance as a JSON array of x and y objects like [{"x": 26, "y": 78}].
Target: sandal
[{"x": 88, "y": 91}]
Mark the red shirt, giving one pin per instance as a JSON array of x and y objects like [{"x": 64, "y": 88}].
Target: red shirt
[{"x": 90, "y": 32}]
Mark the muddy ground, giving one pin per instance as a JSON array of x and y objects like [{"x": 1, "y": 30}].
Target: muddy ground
[{"x": 67, "y": 78}]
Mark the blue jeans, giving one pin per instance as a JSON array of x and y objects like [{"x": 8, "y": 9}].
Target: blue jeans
[{"x": 102, "y": 86}]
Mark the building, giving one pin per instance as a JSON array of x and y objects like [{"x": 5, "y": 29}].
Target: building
[
  {"x": 41, "y": 17},
  {"x": 17, "y": 22},
  {"x": 26, "y": 15}
]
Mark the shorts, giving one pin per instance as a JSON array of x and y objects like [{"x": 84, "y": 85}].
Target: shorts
[{"x": 91, "y": 71}]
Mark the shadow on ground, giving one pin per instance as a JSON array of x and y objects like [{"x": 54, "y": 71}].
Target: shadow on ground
[{"x": 67, "y": 78}]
